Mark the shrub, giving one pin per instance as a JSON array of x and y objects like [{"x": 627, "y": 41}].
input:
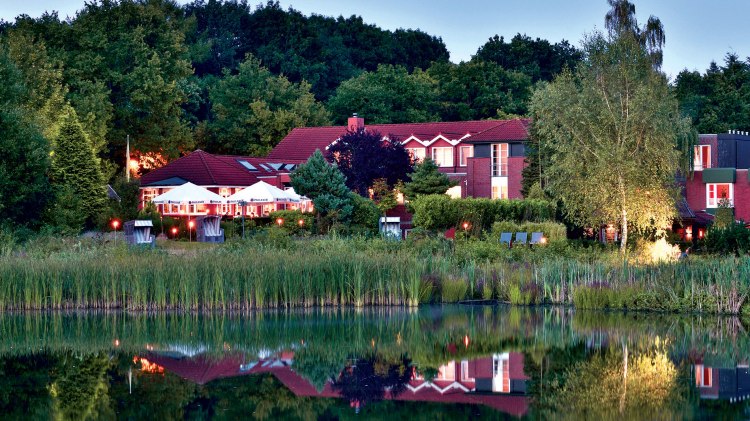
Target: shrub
[
  {"x": 439, "y": 212},
  {"x": 454, "y": 289},
  {"x": 291, "y": 221},
  {"x": 553, "y": 231},
  {"x": 734, "y": 239}
]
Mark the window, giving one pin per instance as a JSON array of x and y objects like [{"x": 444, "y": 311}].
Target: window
[
  {"x": 702, "y": 157},
  {"x": 703, "y": 376},
  {"x": 224, "y": 192},
  {"x": 715, "y": 193},
  {"x": 149, "y": 194},
  {"x": 443, "y": 157},
  {"x": 417, "y": 154},
  {"x": 500, "y": 373},
  {"x": 500, "y": 160},
  {"x": 465, "y": 152},
  {"x": 465, "y": 372},
  {"x": 447, "y": 371}
]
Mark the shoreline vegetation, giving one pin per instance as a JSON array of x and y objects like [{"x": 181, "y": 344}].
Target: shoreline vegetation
[{"x": 278, "y": 271}]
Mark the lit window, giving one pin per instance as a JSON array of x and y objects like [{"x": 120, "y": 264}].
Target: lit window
[
  {"x": 500, "y": 160},
  {"x": 224, "y": 192},
  {"x": 149, "y": 194},
  {"x": 702, "y": 157},
  {"x": 499, "y": 192},
  {"x": 703, "y": 376},
  {"x": 465, "y": 152},
  {"x": 715, "y": 193},
  {"x": 443, "y": 157},
  {"x": 417, "y": 154}
]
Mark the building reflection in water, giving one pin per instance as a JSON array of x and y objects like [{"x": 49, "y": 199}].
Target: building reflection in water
[
  {"x": 725, "y": 383},
  {"x": 497, "y": 381}
]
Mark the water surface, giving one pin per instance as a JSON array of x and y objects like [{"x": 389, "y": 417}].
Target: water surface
[{"x": 450, "y": 362}]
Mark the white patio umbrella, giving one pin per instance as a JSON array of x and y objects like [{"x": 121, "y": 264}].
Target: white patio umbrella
[
  {"x": 261, "y": 192},
  {"x": 290, "y": 191},
  {"x": 188, "y": 193}
]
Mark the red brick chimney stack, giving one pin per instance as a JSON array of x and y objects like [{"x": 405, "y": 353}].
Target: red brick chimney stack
[{"x": 355, "y": 123}]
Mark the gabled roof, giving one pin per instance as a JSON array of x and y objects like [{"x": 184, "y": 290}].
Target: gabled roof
[
  {"x": 509, "y": 130},
  {"x": 302, "y": 142},
  {"x": 205, "y": 169}
]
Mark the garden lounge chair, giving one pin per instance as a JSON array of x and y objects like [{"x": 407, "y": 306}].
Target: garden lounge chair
[
  {"x": 536, "y": 238},
  {"x": 520, "y": 238},
  {"x": 138, "y": 233},
  {"x": 506, "y": 238}
]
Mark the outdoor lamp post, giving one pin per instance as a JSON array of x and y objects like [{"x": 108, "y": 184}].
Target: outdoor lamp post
[
  {"x": 115, "y": 224},
  {"x": 190, "y": 231},
  {"x": 280, "y": 221},
  {"x": 301, "y": 223},
  {"x": 174, "y": 233},
  {"x": 242, "y": 204},
  {"x": 466, "y": 226}
]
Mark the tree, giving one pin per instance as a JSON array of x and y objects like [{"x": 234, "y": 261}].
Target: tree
[
  {"x": 477, "y": 90},
  {"x": 613, "y": 129},
  {"x": 427, "y": 179},
  {"x": 388, "y": 95},
  {"x": 536, "y": 58},
  {"x": 76, "y": 167},
  {"x": 620, "y": 20},
  {"x": 24, "y": 160},
  {"x": 253, "y": 110},
  {"x": 364, "y": 156},
  {"x": 383, "y": 195},
  {"x": 326, "y": 186}
]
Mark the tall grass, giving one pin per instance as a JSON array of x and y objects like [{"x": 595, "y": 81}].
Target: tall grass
[{"x": 345, "y": 272}]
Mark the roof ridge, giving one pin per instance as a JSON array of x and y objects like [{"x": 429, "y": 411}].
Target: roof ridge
[
  {"x": 411, "y": 124},
  {"x": 205, "y": 164}
]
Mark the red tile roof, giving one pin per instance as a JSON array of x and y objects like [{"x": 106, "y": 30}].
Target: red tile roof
[
  {"x": 205, "y": 169},
  {"x": 509, "y": 130},
  {"x": 303, "y": 141}
]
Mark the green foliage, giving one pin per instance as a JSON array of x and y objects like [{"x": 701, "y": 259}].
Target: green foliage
[
  {"x": 613, "y": 128},
  {"x": 388, "y": 95},
  {"x": 252, "y": 110},
  {"x": 436, "y": 212},
  {"x": 536, "y": 58},
  {"x": 75, "y": 166},
  {"x": 365, "y": 215},
  {"x": 478, "y": 90},
  {"x": 730, "y": 239},
  {"x": 453, "y": 289},
  {"x": 383, "y": 196},
  {"x": 553, "y": 231},
  {"x": 24, "y": 160},
  {"x": 291, "y": 221},
  {"x": 427, "y": 179},
  {"x": 326, "y": 186},
  {"x": 724, "y": 214}
]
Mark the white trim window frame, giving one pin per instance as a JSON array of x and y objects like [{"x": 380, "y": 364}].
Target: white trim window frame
[
  {"x": 446, "y": 156},
  {"x": 463, "y": 159},
  {"x": 701, "y": 157},
  {"x": 500, "y": 159},
  {"x": 712, "y": 194},
  {"x": 417, "y": 154}
]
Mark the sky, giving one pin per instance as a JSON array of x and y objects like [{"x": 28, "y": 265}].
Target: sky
[{"x": 697, "y": 31}]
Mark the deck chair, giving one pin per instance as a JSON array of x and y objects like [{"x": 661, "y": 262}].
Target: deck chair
[
  {"x": 506, "y": 238},
  {"x": 536, "y": 238},
  {"x": 521, "y": 238}
]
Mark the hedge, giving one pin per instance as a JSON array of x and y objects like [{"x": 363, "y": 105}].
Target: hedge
[
  {"x": 437, "y": 212},
  {"x": 553, "y": 231}
]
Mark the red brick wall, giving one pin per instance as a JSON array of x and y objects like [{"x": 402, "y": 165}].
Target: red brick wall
[
  {"x": 695, "y": 191},
  {"x": 742, "y": 196},
  {"x": 515, "y": 168},
  {"x": 478, "y": 177}
]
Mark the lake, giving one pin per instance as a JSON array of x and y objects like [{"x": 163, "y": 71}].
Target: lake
[{"x": 431, "y": 363}]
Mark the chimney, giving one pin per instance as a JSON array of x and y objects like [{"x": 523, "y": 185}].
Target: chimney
[{"x": 355, "y": 123}]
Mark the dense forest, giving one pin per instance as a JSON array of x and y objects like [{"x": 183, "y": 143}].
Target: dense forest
[{"x": 229, "y": 77}]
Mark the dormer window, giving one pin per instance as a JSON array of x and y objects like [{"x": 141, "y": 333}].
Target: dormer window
[
  {"x": 417, "y": 154},
  {"x": 701, "y": 157}
]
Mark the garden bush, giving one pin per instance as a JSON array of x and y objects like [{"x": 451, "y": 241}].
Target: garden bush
[
  {"x": 553, "y": 231},
  {"x": 733, "y": 239}
]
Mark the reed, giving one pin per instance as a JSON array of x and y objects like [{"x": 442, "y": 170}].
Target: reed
[{"x": 354, "y": 272}]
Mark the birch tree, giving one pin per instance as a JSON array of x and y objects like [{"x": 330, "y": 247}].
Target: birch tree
[{"x": 612, "y": 129}]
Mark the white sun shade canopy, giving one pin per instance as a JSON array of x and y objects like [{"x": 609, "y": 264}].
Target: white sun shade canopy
[
  {"x": 188, "y": 193},
  {"x": 262, "y": 192},
  {"x": 290, "y": 191}
]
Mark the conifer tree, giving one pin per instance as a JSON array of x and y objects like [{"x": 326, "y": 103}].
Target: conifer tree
[
  {"x": 75, "y": 165},
  {"x": 326, "y": 186},
  {"x": 426, "y": 179}
]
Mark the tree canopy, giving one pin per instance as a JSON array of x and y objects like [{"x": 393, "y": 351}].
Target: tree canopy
[
  {"x": 326, "y": 186},
  {"x": 426, "y": 179},
  {"x": 364, "y": 156},
  {"x": 615, "y": 137}
]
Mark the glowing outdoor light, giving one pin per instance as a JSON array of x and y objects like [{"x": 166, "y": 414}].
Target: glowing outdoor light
[
  {"x": 279, "y": 221},
  {"x": 466, "y": 226},
  {"x": 543, "y": 240},
  {"x": 117, "y": 342},
  {"x": 466, "y": 341},
  {"x": 115, "y": 224},
  {"x": 190, "y": 230},
  {"x": 301, "y": 222}
]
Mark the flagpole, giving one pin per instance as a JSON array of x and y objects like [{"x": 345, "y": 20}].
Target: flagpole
[{"x": 127, "y": 160}]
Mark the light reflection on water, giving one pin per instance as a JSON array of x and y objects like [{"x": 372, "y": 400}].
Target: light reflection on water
[{"x": 448, "y": 362}]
